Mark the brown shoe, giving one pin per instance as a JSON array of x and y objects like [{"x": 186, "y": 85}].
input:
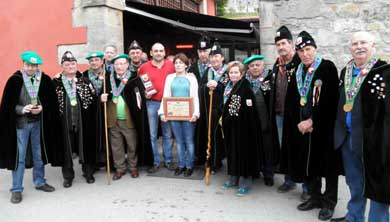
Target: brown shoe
[
  {"x": 134, "y": 173},
  {"x": 118, "y": 175}
]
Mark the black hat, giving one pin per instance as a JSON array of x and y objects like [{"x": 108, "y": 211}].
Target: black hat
[
  {"x": 68, "y": 57},
  {"x": 216, "y": 49},
  {"x": 203, "y": 43},
  {"x": 283, "y": 33},
  {"x": 304, "y": 39},
  {"x": 134, "y": 45}
]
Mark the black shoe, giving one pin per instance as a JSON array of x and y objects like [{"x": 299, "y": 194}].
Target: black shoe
[
  {"x": 153, "y": 169},
  {"x": 285, "y": 187},
  {"x": 305, "y": 196},
  {"x": 340, "y": 219},
  {"x": 179, "y": 171},
  {"x": 169, "y": 166},
  {"x": 268, "y": 181},
  {"x": 46, "y": 188},
  {"x": 308, "y": 205},
  {"x": 325, "y": 213},
  {"x": 188, "y": 172},
  {"x": 67, "y": 183},
  {"x": 118, "y": 175},
  {"x": 90, "y": 179},
  {"x": 16, "y": 197}
]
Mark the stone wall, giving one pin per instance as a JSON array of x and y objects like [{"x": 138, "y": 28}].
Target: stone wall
[
  {"x": 104, "y": 23},
  {"x": 330, "y": 22}
]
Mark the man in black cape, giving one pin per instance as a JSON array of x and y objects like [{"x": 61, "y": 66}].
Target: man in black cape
[
  {"x": 282, "y": 71},
  {"x": 215, "y": 78},
  {"x": 127, "y": 119},
  {"x": 94, "y": 77},
  {"x": 257, "y": 77},
  {"x": 308, "y": 150},
  {"x": 78, "y": 122},
  {"x": 28, "y": 134},
  {"x": 362, "y": 130},
  {"x": 201, "y": 65}
]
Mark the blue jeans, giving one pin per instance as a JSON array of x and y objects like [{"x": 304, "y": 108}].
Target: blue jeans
[
  {"x": 184, "y": 135},
  {"x": 33, "y": 131},
  {"x": 152, "y": 107},
  {"x": 354, "y": 176}
]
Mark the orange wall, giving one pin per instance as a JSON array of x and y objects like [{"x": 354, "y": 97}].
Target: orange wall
[
  {"x": 39, "y": 25},
  {"x": 211, "y": 7}
]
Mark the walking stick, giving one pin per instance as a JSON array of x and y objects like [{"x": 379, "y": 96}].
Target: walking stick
[
  {"x": 105, "y": 128},
  {"x": 207, "y": 177}
]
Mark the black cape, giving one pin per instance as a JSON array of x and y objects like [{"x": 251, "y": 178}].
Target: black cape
[
  {"x": 100, "y": 137},
  {"x": 375, "y": 130},
  {"x": 87, "y": 149},
  {"x": 242, "y": 132},
  {"x": 270, "y": 148},
  {"x": 201, "y": 137},
  {"x": 312, "y": 154},
  {"x": 50, "y": 133},
  {"x": 139, "y": 116}
]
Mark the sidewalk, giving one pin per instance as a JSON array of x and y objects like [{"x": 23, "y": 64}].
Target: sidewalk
[{"x": 153, "y": 199}]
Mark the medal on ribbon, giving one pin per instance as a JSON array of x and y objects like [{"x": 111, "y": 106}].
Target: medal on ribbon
[
  {"x": 70, "y": 88},
  {"x": 32, "y": 88},
  {"x": 304, "y": 85},
  {"x": 116, "y": 91},
  {"x": 352, "y": 84}
]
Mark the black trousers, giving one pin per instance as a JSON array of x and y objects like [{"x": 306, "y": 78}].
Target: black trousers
[
  {"x": 328, "y": 199},
  {"x": 67, "y": 169}
]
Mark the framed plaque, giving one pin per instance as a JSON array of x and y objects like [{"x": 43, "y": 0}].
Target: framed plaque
[{"x": 178, "y": 108}]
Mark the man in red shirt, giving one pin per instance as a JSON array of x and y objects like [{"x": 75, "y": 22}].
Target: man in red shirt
[{"x": 153, "y": 73}]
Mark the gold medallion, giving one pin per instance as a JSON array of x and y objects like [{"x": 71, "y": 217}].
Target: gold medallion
[
  {"x": 73, "y": 102},
  {"x": 302, "y": 101},
  {"x": 347, "y": 107},
  {"x": 115, "y": 100}
]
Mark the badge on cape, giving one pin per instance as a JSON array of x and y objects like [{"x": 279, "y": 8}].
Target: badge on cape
[{"x": 249, "y": 102}]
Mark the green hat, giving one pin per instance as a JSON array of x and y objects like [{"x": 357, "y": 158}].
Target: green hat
[
  {"x": 253, "y": 58},
  {"x": 95, "y": 54},
  {"x": 120, "y": 56},
  {"x": 31, "y": 57}
]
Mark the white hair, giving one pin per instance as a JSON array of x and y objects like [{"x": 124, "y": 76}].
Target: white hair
[{"x": 366, "y": 35}]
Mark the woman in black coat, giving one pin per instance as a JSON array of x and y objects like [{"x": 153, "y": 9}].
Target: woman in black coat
[{"x": 241, "y": 131}]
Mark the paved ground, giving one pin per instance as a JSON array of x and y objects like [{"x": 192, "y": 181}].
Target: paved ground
[{"x": 153, "y": 199}]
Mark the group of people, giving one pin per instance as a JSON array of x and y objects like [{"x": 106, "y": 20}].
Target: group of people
[{"x": 301, "y": 119}]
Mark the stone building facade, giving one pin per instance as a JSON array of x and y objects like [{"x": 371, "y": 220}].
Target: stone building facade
[{"x": 331, "y": 23}]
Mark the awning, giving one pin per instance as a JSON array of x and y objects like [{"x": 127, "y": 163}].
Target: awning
[{"x": 215, "y": 27}]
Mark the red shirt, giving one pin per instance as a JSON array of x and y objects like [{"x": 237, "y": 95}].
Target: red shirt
[{"x": 157, "y": 76}]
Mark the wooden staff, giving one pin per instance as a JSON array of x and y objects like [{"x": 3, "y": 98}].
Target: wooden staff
[
  {"x": 105, "y": 128},
  {"x": 207, "y": 177}
]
